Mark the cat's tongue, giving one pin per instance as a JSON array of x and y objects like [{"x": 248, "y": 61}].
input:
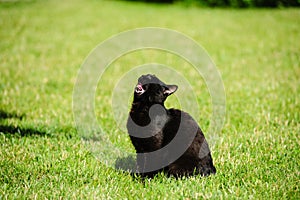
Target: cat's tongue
[
  {"x": 139, "y": 86},
  {"x": 139, "y": 89}
]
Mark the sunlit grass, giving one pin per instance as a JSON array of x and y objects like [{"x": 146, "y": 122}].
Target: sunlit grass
[{"x": 42, "y": 47}]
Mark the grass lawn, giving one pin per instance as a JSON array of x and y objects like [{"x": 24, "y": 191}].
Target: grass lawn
[{"x": 42, "y": 47}]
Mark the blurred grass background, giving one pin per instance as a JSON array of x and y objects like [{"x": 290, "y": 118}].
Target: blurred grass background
[
  {"x": 230, "y": 3},
  {"x": 42, "y": 47}
]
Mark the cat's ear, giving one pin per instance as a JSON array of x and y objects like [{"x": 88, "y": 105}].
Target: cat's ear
[{"x": 170, "y": 89}]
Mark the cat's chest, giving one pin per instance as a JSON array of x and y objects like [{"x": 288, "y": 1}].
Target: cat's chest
[{"x": 158, "y": 122}]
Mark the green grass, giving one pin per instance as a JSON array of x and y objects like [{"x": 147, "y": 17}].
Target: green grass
[{"x": 42, "y": 47}]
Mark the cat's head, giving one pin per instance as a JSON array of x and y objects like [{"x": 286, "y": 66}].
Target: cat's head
[{"x": 152, "y": 90}]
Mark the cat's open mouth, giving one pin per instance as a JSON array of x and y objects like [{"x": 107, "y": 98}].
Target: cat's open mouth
[{"x": 139, "y": 89}]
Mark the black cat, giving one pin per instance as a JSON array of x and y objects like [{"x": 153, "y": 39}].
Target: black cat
[{"x": 166, "y": 140}]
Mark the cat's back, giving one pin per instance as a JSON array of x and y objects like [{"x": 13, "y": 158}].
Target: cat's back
[
  {"x": 179, "y": 117},
  {"x": 182, "y": 124}
]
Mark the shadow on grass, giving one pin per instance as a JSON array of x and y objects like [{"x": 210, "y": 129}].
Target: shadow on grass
[
  {"x": 6, "y": 115},
  {"x": 31, "y": 130},
  {"x": 127, "y": 164},
  {"x": 22, "y": 131},
  {"x": 12, "y": 129}
]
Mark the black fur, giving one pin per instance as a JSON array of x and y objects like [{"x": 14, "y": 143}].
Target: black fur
[{"x": 151, "y": 127}]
